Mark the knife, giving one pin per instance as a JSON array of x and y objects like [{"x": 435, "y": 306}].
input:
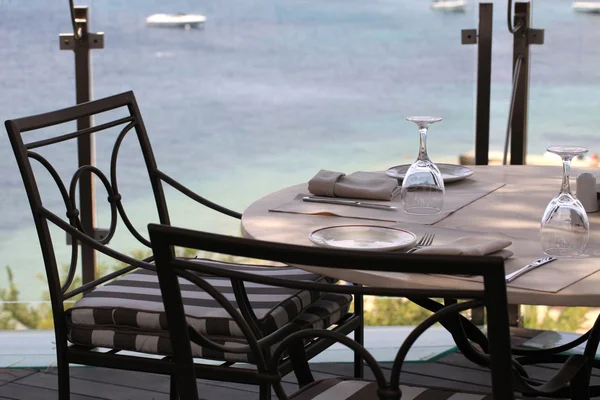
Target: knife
[
  {"x": 354, "y": 203},
  {"x": 529, "y": 267}
]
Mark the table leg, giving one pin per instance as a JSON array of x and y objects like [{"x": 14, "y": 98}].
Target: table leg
[
  {"x": 359, "y": 335},
  {"x": 515, "y": 318},
  {"x": 478, "y": 316},
  {"x": 464, "y": 332}
]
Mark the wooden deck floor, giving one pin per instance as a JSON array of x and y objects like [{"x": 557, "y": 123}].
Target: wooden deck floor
[{"x": 452, "y": 371}]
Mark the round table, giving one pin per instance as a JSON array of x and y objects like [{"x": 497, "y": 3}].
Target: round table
[{"x": 514, "y": 210}]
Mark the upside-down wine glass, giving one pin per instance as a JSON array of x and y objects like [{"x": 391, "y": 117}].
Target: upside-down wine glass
[
  {"x": 565, "y": 227},
  {"x": 423, "y": 187}
]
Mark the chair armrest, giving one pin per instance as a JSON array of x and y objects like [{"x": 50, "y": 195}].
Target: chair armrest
[
  {"x": 196, "y": 197},
  {"x": 88, "y": 241},
  {"x": 99, "y": 281}
]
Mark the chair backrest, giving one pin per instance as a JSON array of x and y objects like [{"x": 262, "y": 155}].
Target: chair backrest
[
  {"x": 171, "y": 268},
  {"x": 124, "y": 103}
]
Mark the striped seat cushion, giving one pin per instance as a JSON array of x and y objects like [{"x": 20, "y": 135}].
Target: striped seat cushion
[
  {"x": 134, "y": 301},
  {"x": 349, "y": 389},
  {"x": 321, "y": 314}
]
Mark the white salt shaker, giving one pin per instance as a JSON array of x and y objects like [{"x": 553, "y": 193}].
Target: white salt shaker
[{"x": 586, "y": 192}]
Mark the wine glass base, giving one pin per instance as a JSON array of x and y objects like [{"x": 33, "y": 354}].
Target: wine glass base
[
  {"x": 422, "y": 210},
  {"x": 563, "y": 252}
]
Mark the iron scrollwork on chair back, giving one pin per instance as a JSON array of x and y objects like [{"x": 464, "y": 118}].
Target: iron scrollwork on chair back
[{"x": 72, "y": 225}]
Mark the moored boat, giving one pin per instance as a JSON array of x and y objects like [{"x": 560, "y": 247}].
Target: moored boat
[
  {"x": 186, "y": 21},
  {"x": 449, "y": 5},
  {"x": 590, "y": 7}
]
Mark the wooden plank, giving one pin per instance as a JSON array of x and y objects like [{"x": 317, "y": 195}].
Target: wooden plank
[
  {"x": 212, "y": 392},
  {"x": 161, "y": 383},
  {"x": 291, "y": 378},
  {"x": 451, "y": 373},
  {"x": 22, "y": 392},
  {"x": 85, "y": 387},
  {"x": 526, "y": 333},
  {"x": 13, "y": 374},
  {"x": 421, "y": 376},
  {"x": 132, "y": 379},
  {"x": 540, "y": 370}
]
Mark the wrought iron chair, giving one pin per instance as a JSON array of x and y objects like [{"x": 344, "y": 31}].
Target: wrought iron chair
[
  {"x": 175, "y": 273},
  {"x": 123, "y": 310}
]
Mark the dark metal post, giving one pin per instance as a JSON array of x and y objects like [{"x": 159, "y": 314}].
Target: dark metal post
[
  {"x": 359, "y": 335},
  {"x": 515, "y": 318},
  {"x": 484, "y": 84},
  {"x": 523, "y": 37},
  {"x": 483, "y": 38},
  {"x": 81, "y": 46},
  {"x": 518, "y": 140}
]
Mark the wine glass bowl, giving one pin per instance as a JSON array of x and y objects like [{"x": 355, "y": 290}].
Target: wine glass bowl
[
  {"x": 423, "y": 187},
  {"x": 565, "y": 227}
]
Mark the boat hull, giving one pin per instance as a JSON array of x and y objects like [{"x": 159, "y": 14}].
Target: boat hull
[
  {"x": 186, "y": 21},
  {"x": 450, "y": 6},
  {"x": 586, "y": 7}
]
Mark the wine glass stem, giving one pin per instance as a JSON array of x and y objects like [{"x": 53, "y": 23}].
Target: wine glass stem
[
  {"x": 566, "y": 187},
  {"x": 423, "y": 143}
]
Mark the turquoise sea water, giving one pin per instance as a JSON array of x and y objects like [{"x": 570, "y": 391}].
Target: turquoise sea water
[{"x": 271, "y": 91}]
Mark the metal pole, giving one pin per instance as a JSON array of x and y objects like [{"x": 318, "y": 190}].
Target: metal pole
[
  {"x": 81, "y": 42},
  {"x": 523, "y": 37},
  {"x": 515, "y": 83},
  {"x": 484, "y": 84},
  {"x": 518, "y": 140},
  {"x": 483, "y": 39},
  {"x": 359, "y": 335}
]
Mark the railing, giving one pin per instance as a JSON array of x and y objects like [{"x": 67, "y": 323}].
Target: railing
[
  {"x": 483, "y": 38},
  {"x": 523, "y": 37}
]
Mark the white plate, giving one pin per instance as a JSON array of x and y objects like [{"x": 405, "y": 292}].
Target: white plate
[
  {"x": 450, "y": 172},
  {"x": 363, "y": 237}
]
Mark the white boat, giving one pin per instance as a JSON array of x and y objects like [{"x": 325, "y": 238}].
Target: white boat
[
  {"x": 186, "y": 21},
  {"x": 449, "y": 5},
  {"x": 587, "y": 7}
]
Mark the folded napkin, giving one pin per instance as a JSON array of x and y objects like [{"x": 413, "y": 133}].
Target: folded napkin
[
  {"x": 359, "y": 185},
  {"x": 471, "y": 246}
]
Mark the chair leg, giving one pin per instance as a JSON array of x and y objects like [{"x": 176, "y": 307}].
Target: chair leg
[
  {"x": 299, "y": 361},
  {"x": 174, "y": 395},
  {"x": 184, "y": 388},
  {"x": 580, "y": 385},
  {"x": 264, "y": 392},
  {"x": 359, "y": 335},
  {"x": 64, "y": 389}
]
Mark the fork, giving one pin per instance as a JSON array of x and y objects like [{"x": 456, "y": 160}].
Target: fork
[{"x": 425, "y": 241}]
